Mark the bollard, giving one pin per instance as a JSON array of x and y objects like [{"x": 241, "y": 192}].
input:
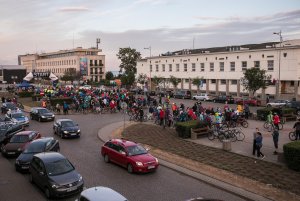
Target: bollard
[{"x": 227, "y": 145}]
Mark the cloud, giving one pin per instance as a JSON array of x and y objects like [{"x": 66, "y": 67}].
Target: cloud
[{"x": 74, "y": 9}]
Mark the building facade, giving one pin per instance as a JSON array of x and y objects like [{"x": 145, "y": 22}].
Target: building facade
[
  {"x": 88, "y": 62},
  {"x": 11, "y": 74},
  {"x": 222, "y": 68}
]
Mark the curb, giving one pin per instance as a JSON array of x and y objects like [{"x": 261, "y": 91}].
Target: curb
[{"x": 106, "y": 132}]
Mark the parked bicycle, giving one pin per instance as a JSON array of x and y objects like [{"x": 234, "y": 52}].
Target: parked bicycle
[
  {"x": 240, "y": 136},
  {"x": 292, "y": 135}
]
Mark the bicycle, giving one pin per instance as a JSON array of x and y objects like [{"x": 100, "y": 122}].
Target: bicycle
[
  {"x": 270, "y": 126},
  {"x": 240, "y": 136},
  {"x": 292, "y": 135}
]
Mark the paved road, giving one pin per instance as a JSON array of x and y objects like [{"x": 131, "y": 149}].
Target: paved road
[{"x": 164, "y": 185}]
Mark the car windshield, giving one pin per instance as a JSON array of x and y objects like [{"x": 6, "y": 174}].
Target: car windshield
[
  {"x": 43, "y": 111},
  {"x": 10, "y": 105},
  {"x": 67, "y": 124},
  {"x": 18, "y": 115},
  {"x": 136, "y": 150},
  {"x": 35, "y": 147},
  {"x": 19, "y": 139},
  {"x": 59, "y": 167}
]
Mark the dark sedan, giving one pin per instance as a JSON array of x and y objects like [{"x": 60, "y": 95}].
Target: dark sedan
[
  {"x": 7, "y": 130},
  {"x": 55, "y": 175},
  {"x": 35, "y": 147},
  {"x": 41, "y": 114},
  {"x": 66, "y": 128},
  {"x": 18, "y": 142},
  {"x": 223, "y": 99}
]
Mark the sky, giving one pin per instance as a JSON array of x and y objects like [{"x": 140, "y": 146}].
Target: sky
[{"x": 37, "y": 26}]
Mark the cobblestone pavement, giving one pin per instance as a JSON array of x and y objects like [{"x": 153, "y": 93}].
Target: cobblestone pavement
[{"x": 278, "y": 176}]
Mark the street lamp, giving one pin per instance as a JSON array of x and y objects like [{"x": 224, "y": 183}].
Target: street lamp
[
  {"x": 279, "y": 61},
  {"x": 149, "y": 48}
]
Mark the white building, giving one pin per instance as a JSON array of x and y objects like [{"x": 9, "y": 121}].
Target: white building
[
  {"x": 88, "y": 62},
  {"x": 221, "y": 68}
]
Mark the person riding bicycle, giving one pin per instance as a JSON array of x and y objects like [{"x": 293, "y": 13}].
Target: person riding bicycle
[
  {"x": 270, "y": 118},
  {"x": 297, "y": 127}
]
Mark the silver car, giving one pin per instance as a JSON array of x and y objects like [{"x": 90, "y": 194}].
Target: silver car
[
  {"x": 202, "y": 97},
  {"x": 278, "y": 103},
  {"x": 100, "y": 193}
]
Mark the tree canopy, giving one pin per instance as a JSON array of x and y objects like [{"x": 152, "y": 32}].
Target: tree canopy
[
  {"x": 109, "y": 75},
  {"x": 254, "y": 79},
  {"x": 128, "y": 57},
  {"x": 142, "y": 78},
  {"x": 157, "y": 80},
  {"x": 70, "y": 75},
  {"x": 175, "y": 81},
  {"x": 128, "y": 79}
]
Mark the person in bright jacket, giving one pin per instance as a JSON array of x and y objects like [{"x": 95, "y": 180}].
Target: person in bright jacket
[
  {"x": 276, "y": 121},
  {"x": 161, "y": 116}
]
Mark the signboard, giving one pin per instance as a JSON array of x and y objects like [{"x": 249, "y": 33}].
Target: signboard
[
  {"x": 83, "y": 66},
  {"x": 41, "y": 74}
]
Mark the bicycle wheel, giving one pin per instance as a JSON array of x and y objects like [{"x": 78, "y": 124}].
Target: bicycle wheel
[
  {"x": 221, "y": 137},
  {"x": 280, "y": 125},
  {"x": 245, "y": 124},
  {"x": 240, "y": 136},
  {"x": 282, "y": 120},
  {"x": 232, "y": 136},
  {"x": 270, "y": 127},
  {"x": 292, "y": 136},
  {"x": 211, "y": 135},
  {"x": 266, "y": 125}
]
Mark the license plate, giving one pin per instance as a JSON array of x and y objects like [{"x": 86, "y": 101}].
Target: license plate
[
  {"x": 151, "y": 167},
  {"x": 49, "y": 118},
  {"x": 73, "y": 134},
  {"x": 25, "y": 167},
  {"x": 11, "y": 152},
  {"x": 71, "y": 189}
]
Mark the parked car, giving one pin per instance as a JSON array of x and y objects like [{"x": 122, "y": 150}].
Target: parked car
[
  {"x": 7, "y": 130},
  {"x": 8, "y": 106},
  {"x": 202, "y": 97},
  {"x": 295, "y": 105},
  {"x": 41, "y": 114},
  {"x": 18, "y": 117},
  {"x": 278, "y": 103},
  {"x": 18, "y": 142},
  {"x": 223, "y": 99},
  {"x": 55, "y": 175},
  {"x": 249, "y": 101},
  {"x": 85, "y": 87},
  {"x": 66, "y": 128},
  {"x": 165, "y": 93},
  {"x": 183, "y": 94},
  {"x": 37, "y": 146},
  {"x": 100, "y": 193},
  {"x": 130, "y": 155}
]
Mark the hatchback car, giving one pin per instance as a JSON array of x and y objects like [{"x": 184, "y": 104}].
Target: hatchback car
[
  {"x": 18, "y": 117},
  {"x": 66, "y": 128},
  {"x": 18, "y": 142},
  {"x": 202, "y": 97},
  {"x": 100, "y": 193},
  {"x": 130, "y": 155},
  {"x": 223, "y": 99},
  {"x": 41, "y": 114},
  {"x": 55, "y": 175},
  {"x": 183, "y": 94},
  {"x": 249, "y": 101},
  {"x": 35, "y": 147}
]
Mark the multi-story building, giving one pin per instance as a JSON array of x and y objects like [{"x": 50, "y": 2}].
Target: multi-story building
[
  {"x": 221, "y": 68},
  {"x": 87, "y": 62}
]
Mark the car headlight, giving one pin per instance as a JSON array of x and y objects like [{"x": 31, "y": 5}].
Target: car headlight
[
  {"x": 19, "y": 149},
  {"x": 43, "y": 116},
  {"x": 80, "y": 178},
  {"x": 156, "y": 160},
  {"x": 55, "y": 185},
  {"x": 52, "y": 115},
  {"x": 78, "y": 131},
  {"x": 66, "y": 132},
  {"x": 139, "y": 163}
]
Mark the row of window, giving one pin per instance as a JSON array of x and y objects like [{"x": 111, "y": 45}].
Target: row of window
[
  {"x": 57, "y": 63},
  {"x": 244, "y": 65},
  {"x": 57, "y": 70},
  {"x": 96, "y": 71},
  {"x": 96, "y": 62}
]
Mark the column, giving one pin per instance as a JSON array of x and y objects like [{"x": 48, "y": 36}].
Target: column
[
  {"x": 190, "y": 84},
  {"x": 227, "y": 87},
  {"x": 207, "y": 86},
  {"x": 217, "y": 87},
  {"x": 296, "y": 83},
  {"x": 182, "y": 80},
  {"x": 238, "y": 88}
]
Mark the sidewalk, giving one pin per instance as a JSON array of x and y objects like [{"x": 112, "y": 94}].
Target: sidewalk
[{"x": 226, "y": 170}]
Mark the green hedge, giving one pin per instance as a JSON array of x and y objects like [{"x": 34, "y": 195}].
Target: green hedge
[
  {"x": 263, "y": 113},
  {"x": 54, "y": 101},
  {"x": 23, "y": 94},
  {"x": 291, "y": 153},
  {"x": 184, "y": 128}
]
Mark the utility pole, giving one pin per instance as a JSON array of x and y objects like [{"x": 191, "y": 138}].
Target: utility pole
[
  {"x": 279, "y": 63},
  {"x": 149, "y": 48}
]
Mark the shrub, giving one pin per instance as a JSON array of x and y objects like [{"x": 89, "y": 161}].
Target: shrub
[
  {"x": 184, "y": 128},
  {"x": 263, "y": 113},
  {"x": 23, "y": 94},
  {"x": 54, "y": 101},
  {"x": 291, "y": 153}
]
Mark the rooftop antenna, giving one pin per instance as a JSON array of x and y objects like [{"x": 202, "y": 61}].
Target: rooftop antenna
[{"x": 98, "y": 42}]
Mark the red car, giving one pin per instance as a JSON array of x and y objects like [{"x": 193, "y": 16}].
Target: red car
[
  {"x": 130, "y": 155},
  {"x": 249, "y": 101},
  {"x": 18, "y": 142}
]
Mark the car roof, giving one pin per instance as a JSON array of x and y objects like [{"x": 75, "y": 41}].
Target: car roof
[
  {"x": 50, "y": 156},
  {"x": 42, "y": 140},
  {"x": 16, "y": 112},
  {"x": 60, "y": 120},
  {"x": 25, "y": 132},
  {"x": 101, "y": 193},
  {"x": 123, "y": 142}
]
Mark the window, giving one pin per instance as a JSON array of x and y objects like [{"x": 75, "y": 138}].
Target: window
[
  {"x": 170, "y": 67},
  {"x": 185, "y": 67},
  {"x": 186, "y": 80},
  {"x": 284, "y": 54},
  {"x": 223, "y": 82},
  {"x": 244, "y": 65},
  {"x": 234, "y": 82},
  {"x": 193, "y": 67},
  {"x": 156, "y": 68},
  {"x": 232, "y": 66},
  {"x": 202, "y": 67},
  {"x": 256, "y": 64},
  {"x": 1, "y": 74},
  {"x": 163, "y": 68},
  {"x": 211, "y": 67},
  {"x": 150, "y": 68},
  {"x": 221, "y": 66},
  {"x": 177, "y": 67},
  {"x": 213, "y": 81},
  {"x": 292, "y": 83},
  {"x": 270, "y": 64}
]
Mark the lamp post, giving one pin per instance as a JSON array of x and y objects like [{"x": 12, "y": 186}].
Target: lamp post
[
  {"x": 279, "y": 61},
  {"x": 149, "y": 48}
]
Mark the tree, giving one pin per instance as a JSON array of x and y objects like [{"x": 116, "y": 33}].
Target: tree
[
  {"x": 254, "y": 79},
  {"x": 128, "y": 59},
  {"x": 109, "y": 75},
  {"x": 70, "y": 75},
  {"x": 142, "y": 78},
  {"x": 197, "y": 81},
  {"x": 128, "y": 79},
  {"x": 157, "y": 80},
  {"x": 175, "y": 81}
]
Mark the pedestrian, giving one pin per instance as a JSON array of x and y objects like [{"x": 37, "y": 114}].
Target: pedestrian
[
  {"x": 275, "y": 135},
  {"x": 141, "y": 113},
  {"x": 247, "y": 111},
  {"x": 254, "y": 141},
  {"x": 161, "y": 116},
  {"x": 297, "y": 127},
  {"x": 65, "y": 107},
  {"x": 259, "y": 140}
]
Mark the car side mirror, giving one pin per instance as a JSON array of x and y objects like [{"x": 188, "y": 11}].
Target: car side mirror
[{"x": 123, "y": 153}]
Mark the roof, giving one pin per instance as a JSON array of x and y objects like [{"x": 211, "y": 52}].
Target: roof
[
  {"x": 101, "y": 193},
  {"x": 25, "y": 132},
  {"x": 12, "y": 67},
  {"x": 64, "y": 120},
  {"x": 123, "y": 142},
  {"x": 50, "y": 156}
]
